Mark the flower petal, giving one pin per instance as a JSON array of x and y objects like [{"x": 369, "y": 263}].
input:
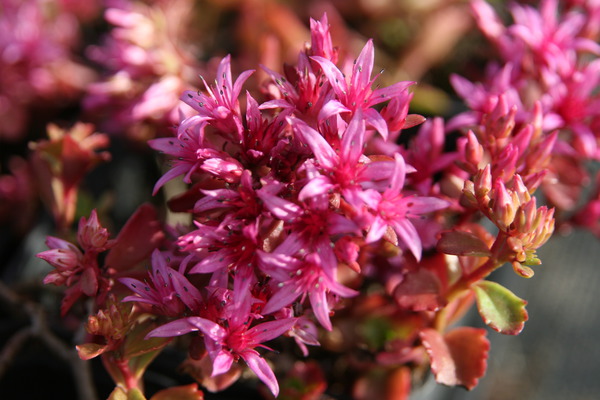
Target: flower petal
[
  {"x": 261, "y": 369},
  {"x": 222, "y": 363},
  {"x": 174, "y": 328},
  {"x": 409, "y": 235},
  {"x": 318, "y": 301}
]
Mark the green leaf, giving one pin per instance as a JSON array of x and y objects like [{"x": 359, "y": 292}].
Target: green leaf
[
  {"x": 500, "y": 308},
  {"x": 461, "y": 243}
]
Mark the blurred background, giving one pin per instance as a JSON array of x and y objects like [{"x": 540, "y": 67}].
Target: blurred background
[{"x": 64, "y": 61}]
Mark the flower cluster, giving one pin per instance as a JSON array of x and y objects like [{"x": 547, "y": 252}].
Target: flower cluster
[
  {"x": 547, "y": 77},
  {"x": 287, "y": 194}
]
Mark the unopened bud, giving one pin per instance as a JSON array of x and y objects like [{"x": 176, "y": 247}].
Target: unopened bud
[
  {"x": 503, "y": 207},
  {"x": 91, "y": 235},
  {"x": 483, "y": 182},
  {"x": 473, "y": 150}
]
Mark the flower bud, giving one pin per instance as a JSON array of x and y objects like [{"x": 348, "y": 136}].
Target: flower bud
[
  {"x": 473, "y": 150},
  {"x": 91, "y": 235},
  {"x": 503, "y": 207},
  {"x": 483, "y": 182}
]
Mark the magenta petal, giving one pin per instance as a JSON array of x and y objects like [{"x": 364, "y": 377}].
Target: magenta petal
[
  {"x": 318, "y": 301},
  {"x": 222, "y": 363},
  {"x": 211, "y": 329},
  {"x": 315, "y": 187},
  {"x": 270, "y": 330},
  {"x": 363, "y": 67},
  {"x": 317, "y": 143},
  {"x": 277, "y": 265},
  {"x": 212, "y": 262},
  {"x": 334, "y": 75},
  {"x": 285, "y": 296},
  {"x": 375, "y": 120},
  {"x": 261, "y": 369},
  {"x": 332, "y": 107},
  {"x": 341, "y": 290},
  {"x": 384, "y": 94},
  {"x": 378, "y": 170},
  {"x": 239, "y": 82},
  {"x": 135, "y": 285},
  {"x": 377, "y": 230},
  {"x": 185, "y": 290},
  {"x": 397, "y": 180},
  {"x": 422, "y": 205},
  {"x": 409, "y": 235},
  {"x": 278, "y": 103},
  {"x": 280, "y": 208},
  {"x": 174, "y": 328},
  {"x": 354, "y": 138},
  {"x": 171, "y": 174}
]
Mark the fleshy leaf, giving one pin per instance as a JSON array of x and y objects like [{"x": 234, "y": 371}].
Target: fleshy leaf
[
  {"x": 420, "y": 290},
  {"x": 186, "y": 392},
  {"x": 87, "y": 351},
  {"x": 458, "y": 358},
  {"x": 500, "y": 308},
  {"x": 461, "y": 243}
]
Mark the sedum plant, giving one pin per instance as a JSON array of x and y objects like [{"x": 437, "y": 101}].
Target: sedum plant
[{"x": 326, "y": 221}]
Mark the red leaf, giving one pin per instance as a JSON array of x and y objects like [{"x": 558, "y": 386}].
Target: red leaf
[
  {"x": 419, "y": 291},
  {"x": 459, "y": 357},
  {"x": 141, "y": 234}
]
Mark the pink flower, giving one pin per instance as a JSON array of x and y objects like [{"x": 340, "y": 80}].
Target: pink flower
[
  {"x": 221, "y": 105},
  {"x": 343, "y": 168},
  {"x": 91, "y": 235},
  {"x": 76, "y": 269},
  {"x": 356, "y": 93},
  {"x": 233, "y": 339},
  {"x": 191, "y": 153},
  {"x": 169, "y": 291},
  {"x": 393, "y": 209},
  {"x": 301, "y": 278}
]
